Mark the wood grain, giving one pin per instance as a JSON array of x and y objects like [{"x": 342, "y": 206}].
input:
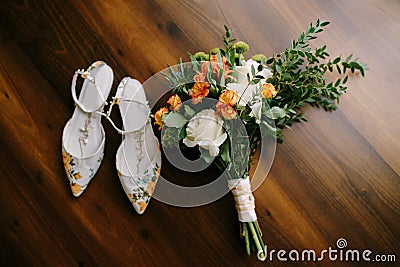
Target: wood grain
[{"x": 336, "y": 176}]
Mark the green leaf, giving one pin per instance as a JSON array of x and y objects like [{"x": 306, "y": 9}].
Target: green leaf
[
  {"x": 348, "y": 58},
  {"x": 189, "y": 112},
  {"x": 277, "y": 68},
  {"x": 225, "y": 152},
  {"x": 336, "y": 60},
  {"x": 346, "y": 65},
  {"x": 338, "y": 69},
  {"x": 324, "y": 23},
  {"x": 253, "y": 71},
  {"x": 275, "y": 113},
  {"x": 174, "y": 119},
  {"x": 287, "y": 76},
  {"x": 205, "y": 155},
  {"x": 362, "y": 71},
  {"x": 182, "y": 133},
  {"x": 227, "y": 31}
]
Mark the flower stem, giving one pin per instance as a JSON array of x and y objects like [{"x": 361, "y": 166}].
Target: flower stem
[
  {"x": 257, "y": 238},
  {"x": 246, "y": 238}
]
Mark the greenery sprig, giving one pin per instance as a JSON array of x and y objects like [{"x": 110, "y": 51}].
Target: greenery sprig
[{"x": 299, "y": 76}]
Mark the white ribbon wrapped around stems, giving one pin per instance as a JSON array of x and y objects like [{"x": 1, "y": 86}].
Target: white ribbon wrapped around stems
[{"x": 244, "y": 199}]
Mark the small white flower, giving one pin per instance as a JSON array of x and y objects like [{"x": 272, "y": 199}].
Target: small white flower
[{"x": 205, "y": 129}]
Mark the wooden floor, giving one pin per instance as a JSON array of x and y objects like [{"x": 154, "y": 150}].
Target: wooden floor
[{"x": 336, "y": 176}]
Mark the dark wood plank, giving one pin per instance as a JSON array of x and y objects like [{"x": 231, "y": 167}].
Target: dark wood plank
[{"x": 336, "y": 176}]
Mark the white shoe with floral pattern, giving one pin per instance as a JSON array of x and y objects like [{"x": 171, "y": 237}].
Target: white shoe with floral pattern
[
  {"x": 83, "y": 136},
  {"x": 138, "y": 159}
]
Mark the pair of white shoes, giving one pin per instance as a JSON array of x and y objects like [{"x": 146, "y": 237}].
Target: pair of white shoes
[{"x": 138, "y": 159}]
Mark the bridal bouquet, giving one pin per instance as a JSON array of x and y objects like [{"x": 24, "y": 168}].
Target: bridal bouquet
[{"x": 224, "y": 103}]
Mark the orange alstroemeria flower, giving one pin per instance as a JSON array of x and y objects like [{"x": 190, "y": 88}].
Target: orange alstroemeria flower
[
  {"x": 199, "y": 91},
  {"x": 175, "y": 102},
  {"x": 215, "y": 67},
  {"x": 158, "y": 116}
]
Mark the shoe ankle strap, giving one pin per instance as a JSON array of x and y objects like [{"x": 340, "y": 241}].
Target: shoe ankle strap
[
  {"x": 86, "y": 74},
  {"x": 115, "y": 101}
]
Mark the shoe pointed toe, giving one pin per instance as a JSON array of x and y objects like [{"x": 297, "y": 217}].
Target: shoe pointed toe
[
  {"x": 140, "y": 207},
  {"x": 77, "y": 189}
]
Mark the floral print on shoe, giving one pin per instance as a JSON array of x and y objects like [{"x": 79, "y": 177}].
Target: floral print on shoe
[
  {"x": 80, "y": 171},
  {"x": 140, "y": 189}
]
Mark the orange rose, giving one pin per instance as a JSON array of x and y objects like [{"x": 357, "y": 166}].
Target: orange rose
[
  {"x": 158, "y": 116},
  {"x": 229, "y": 97},
  {"x": 268, "y": 90},
  {"x": 175, "y": 102},
  {"x": 225, "y": 110},
  {"x": 199, "y": 91}
]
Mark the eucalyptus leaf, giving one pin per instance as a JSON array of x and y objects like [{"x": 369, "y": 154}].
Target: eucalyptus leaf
[
  {"x": 275, "y": 113},
  {"x": 189, "y": 112},
  {"x": 174, "y": 119}
]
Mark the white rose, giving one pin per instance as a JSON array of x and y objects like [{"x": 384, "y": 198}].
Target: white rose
[
  {"x": 205, "y": 129},
  {"x": 246, "y": 92}
]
